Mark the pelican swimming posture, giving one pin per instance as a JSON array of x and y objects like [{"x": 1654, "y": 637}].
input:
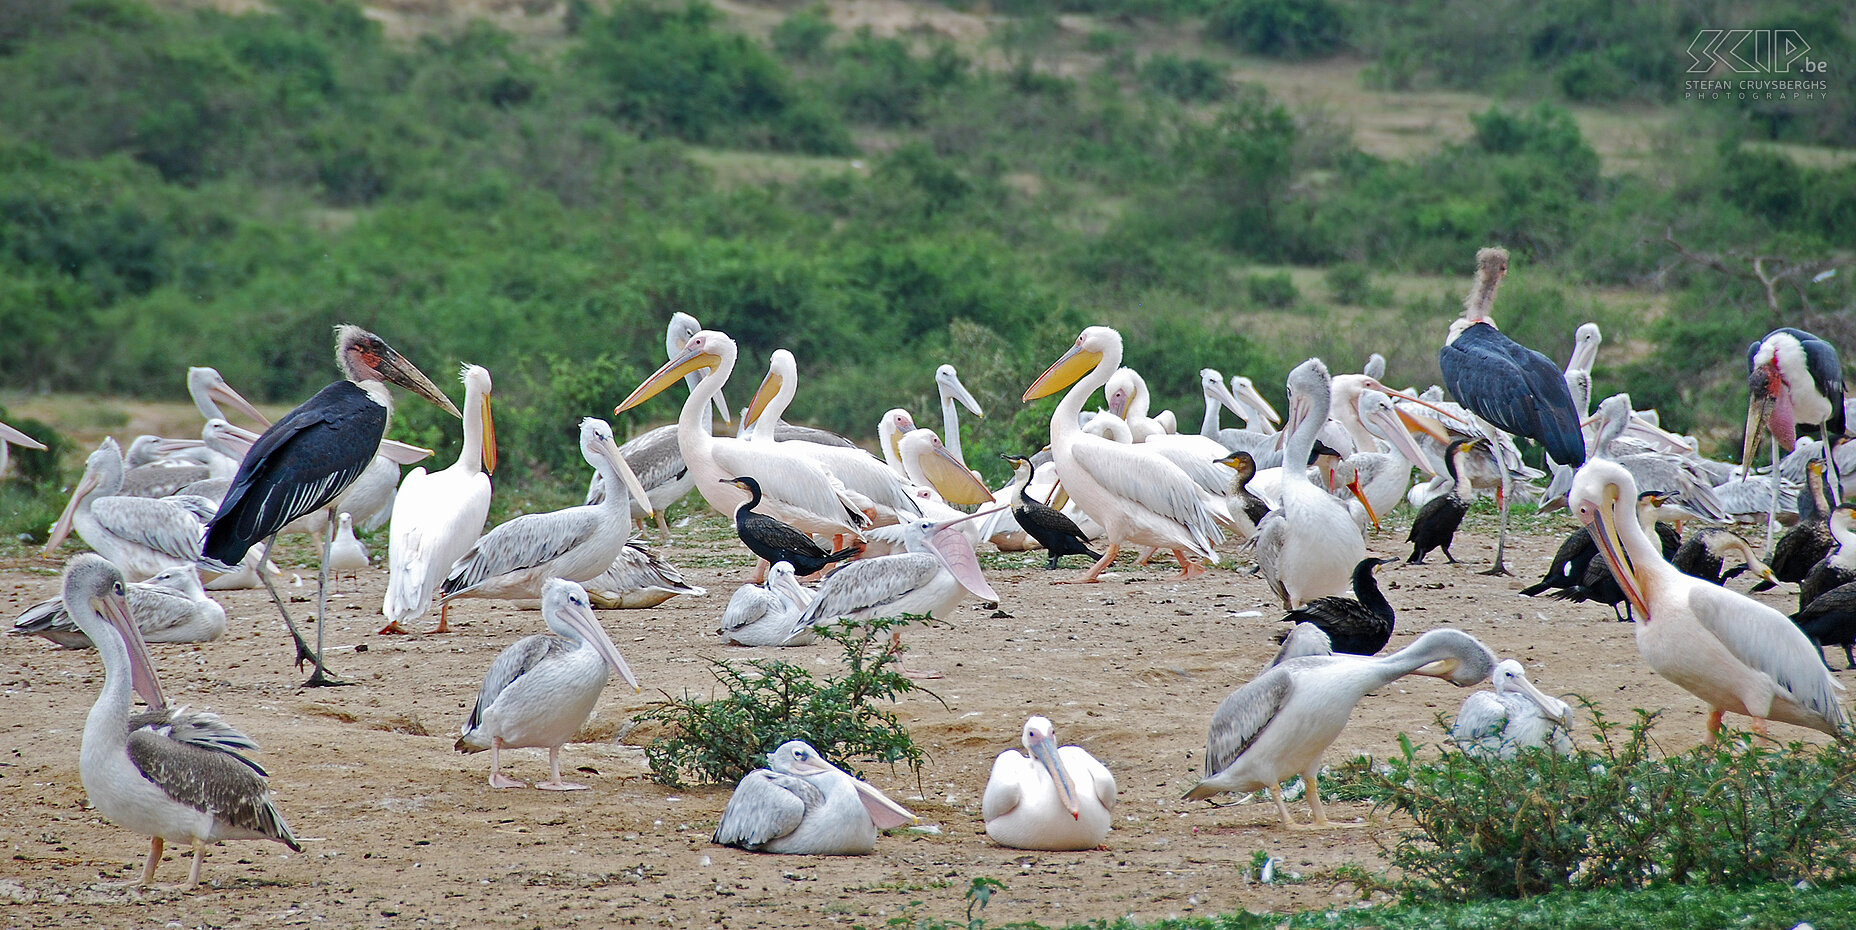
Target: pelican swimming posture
[
  {"x": 515, "y": 559},
  {"x": 541, "y": 690},
  {"x": 1136, "y": 495},
  {"x": 1738, "y": 655},
  {"x": 1309, "y": 544},
  {"x": 802, "y": 805},
  {"x": 1512, "y": 717},
  {"x": 141, "y": 535},
  {"x": 1278, "y": 725},
  {"x": 763, "y": 614},
  {"x": 797, "y": 491},
  {"x": 437, "y": 517},
  {"x": 171, "y": 607},
  {"x": 1048, "y": 797},
  {"x": 174, "y": 775}
]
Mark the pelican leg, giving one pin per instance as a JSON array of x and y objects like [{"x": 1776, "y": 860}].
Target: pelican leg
[
  {"x": 1282, "y": 807},
  {"x": 155, "y": 845},
  {"x": 302, "y": 648},
  {"x": 1501, "y": 538},
  {"x": 1714, "y": 724},
  {"x": 895, "y": 649},
  {"x": 554, "y": 782},
  {"x": 1094, "y": 573},
  {"x": 1187, "y": 567},
  {"x": 444, "y": 624},
  {"x": 199, "y": 855},
  {"x": 497, "y": 778},
  {"x": 1311, "y": 782},
  {"x": 392, "y": 628},
  {"x": 663, "y": 529},
  {"x": 1147, "y": 553},
  {"x": 760, "y": 570},
  {"x": 1772, "y": 508}
]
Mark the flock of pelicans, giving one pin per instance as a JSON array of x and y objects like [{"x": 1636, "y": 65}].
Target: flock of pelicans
[{"x": 171, "y": 513}]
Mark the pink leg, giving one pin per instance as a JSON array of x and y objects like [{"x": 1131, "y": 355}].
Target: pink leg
[
  {"x": 1187, "y": 567},
  {"x": 554, "y": 782},
  {"x": 497, "y": 778},
  {"x": 1093, "y": 574}
]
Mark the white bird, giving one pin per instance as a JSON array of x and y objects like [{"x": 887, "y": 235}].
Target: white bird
[
  {"x": 347, "y": 554},
  {"x": 173, "y": 775},
  {"x": 1303, "y": 639},
  {"x": 141, "y": 535},
  {"x": 1048, "y": 797},
  {"x": 10, "y": 435},
  {"x": 1512, "y": 717},
  {"x": 795, "y": 490},
  {"x": 1308, "y": 545},
  {"x": 638, "y": 579},
  {"x": 516, "y": 558},
  {"x": 541, "y": 690},
  {"x": 947, "y": 384},
  {"x": 437, "y": 517},
  {"x": 1136, "y": 495},
  {"x": 171, "y": 607},
  {"x": 1278, "y": 725},
  {"x": 763, "y": 614},
  {"x": 1736, "y": 654},
  {"x": 802, "y": 805}
]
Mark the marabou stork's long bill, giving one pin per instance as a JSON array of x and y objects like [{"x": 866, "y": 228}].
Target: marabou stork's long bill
[
  {"x": 1508, "y": 384},
  {"x": 1793, "y": 379},
  {"x": 305, "y": 460}
]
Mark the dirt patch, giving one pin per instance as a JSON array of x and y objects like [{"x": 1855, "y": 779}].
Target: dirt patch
[{"x": 398, "y": 827}]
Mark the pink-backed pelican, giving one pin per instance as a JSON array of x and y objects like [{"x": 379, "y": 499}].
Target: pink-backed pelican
[{"x": 802, "y": 805}]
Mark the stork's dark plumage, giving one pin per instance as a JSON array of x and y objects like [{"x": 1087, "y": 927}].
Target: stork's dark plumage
[
  {"x": 311, "y": 455},
  {"x": 1360, "y": 625},
  {"x": 1436, "y": 524},
  {"x": 775, "y": 541},
  {"x": 1058, "y": 534}
]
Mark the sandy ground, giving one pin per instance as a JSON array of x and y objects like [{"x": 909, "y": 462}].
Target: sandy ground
[{"x": 400, "y": 830}]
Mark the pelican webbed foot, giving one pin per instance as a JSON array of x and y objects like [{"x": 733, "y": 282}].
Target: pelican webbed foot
[{"x": 392, "y": 628}]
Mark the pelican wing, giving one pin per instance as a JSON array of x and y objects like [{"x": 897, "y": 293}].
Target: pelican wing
[
  {"x": 1006, "y": 787},
  {"x": 748, "y": 605},
  {"x": 1483, "y": 718},
  {"x": 865, "y": 588},
  {"x": 519, "y": 659},
  {"x": 432, "y": 515},
  {"x": 1087, "y": 768},
  {"x": 1242, "y": 716},
  {"x": 766, "y": 806},
  {"x": 1150, "y": 481},
  {"x": 789, "y": 480},
  {"x": 525, "y": 542},
  {"x": 859, "y": 471},
  {"x": 1766, "y": 641},
  {"x": 205, "y": 776},
  {"x": 161, "y": 526}
]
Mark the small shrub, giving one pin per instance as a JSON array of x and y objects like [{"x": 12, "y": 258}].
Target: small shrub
[
  {"x": 1279, "y": 28},
  {"x": 802, "y": 36},
  {"x": 1623, "y": 815},
  {"x": 1189, "y": 80},
  {"x": 770, "y": 701},
  {"x": 1353, "y": 284},
  {"x": 1273, "y": 290}
]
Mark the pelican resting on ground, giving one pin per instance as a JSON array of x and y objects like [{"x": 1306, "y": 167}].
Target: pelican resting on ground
[
  {"x": 1359, "y": 625},
  {"x": 541, "y": 690},
  {"x": 763, "y": 614},
  {"x": 1278, "y": 725},
  {"x": 168, "y": 773},
  {"x": 516, "y": 559},
  {"x": 638, "y": 579},
  {"x": 802, "y": 805},
  {"x": 141, "y": 536},
  {"x": 171, "y": 607},
  {"x": 1738, "y": 655},
  {"x": 437, "y": 517},
  {"x": 1048, "y": 797},
  {"x": 1512, "y": 717}
]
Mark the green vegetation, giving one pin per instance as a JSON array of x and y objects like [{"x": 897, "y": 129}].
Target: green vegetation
[{"x": 770, "y": 701}]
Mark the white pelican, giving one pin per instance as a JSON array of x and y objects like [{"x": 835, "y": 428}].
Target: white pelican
[
  {"x": 803, "y": 805},
  {"x": 1736, "y": 654},
  {"x": 541, "y": 690},
  {"x": 1136, "y": 495},
  {"x": 10, "y": 435},
  {"x": 638, "y": 579},
  {"x": 1052, "y": 798},
  {"x": 860, "y": 472},
  {"x": 1308, "y": 545},
  {"x": 208, "y": 389},
  {"x": 1512, "y": 717},
  {"x": 1303, "y": 639},
  {"x": 1278, "y": 725},
  {"x": 577, "y": 543},
  {"x": 930, "y": 579},
  {"x": 141, "y": 535},
  {"x": 947, "y": 384},
  {"x": 171, "y": 774},
  {"x": 797, "y": 491},
  {"x": 762, "y": 615},
  {"x": 171, "y": 607},
  {"x": 437, "y": 517}
]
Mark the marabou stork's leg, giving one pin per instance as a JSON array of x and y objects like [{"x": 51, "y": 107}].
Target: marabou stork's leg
[
  {"x": 1772, "y": 509},
  {"x": 1501, "y": 538},
  {"x": 1834, "y": 485},
  {"x": 302, "y": 648},
  {"x": 320, "y": 678}
]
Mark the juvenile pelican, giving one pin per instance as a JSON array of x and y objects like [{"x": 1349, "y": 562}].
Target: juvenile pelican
[
  {"x": 171, "y": 607},
  {"x": 1308, "y": 545},
  {"x": 577, "y": 543},
  {"x": 1278, "y": 725},
  {"x": 803, "y": 805},
  {"x": 762, "y": 615},
  {"x": 1736, "y": 654},
  {"x": 437, "y": 517},
  {"x": 1512, "y": 717},
  {"x": 638, "y": 579},
  {"x": 1053, "y": 798},
  {"x": 1136, "y": 495},
  {"x": 797, "y": 491},
  {"x": 173, "y": 775},
  {"x": 141, "y": 535},
  {"x": 541, "y": 690}
]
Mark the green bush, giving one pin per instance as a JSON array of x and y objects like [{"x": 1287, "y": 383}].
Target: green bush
[
  {"x": 1351, "y": 283},
  {"x": 802, "y": 36},
  {"x": 1191, "y": 80},
  {"x": 1276, "y": 290},
  {"x": 1622, "y": 815},
  {"x": 1279, "y": 28},
  {"x": 770, "y": 701}
]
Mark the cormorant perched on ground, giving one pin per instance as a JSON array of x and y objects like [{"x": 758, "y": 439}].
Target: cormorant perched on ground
[
  {"x": 1359, "y": 625},
  {"x": 1808, "y": 542},
  {"x": 1570, "y": 561},
  {"x": 775, "y": 541},
  {"x": 1703, "y": 554},
  {"x": 1246, "y": 467},
  {"x": 1057, "y": 533},
  {"x": 1838, "y": 566},
  {"x": 1597, "y": 584},
  {"x": 1437, "y": 522},
  {"x": 1830, "y": 620}
]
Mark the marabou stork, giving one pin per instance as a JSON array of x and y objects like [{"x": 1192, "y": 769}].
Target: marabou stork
[
  {"x": 305, "y": 460},
  {"x": 1793, "y": 378}
]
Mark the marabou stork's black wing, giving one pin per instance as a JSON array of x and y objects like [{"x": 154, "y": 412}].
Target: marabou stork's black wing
[
  {"x": 298, "y": 466},
  {"x": 1515, "y": 388}
]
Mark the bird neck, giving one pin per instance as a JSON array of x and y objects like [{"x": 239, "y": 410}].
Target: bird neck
[
  {"x": 1213, "y": 419},
  {"x": 1021, "y": 481},
  {"x": 950, "y": 426},
  {"x": 1066, "y": 418},
  {"x": 1301, "y": 442},
  {"x": 471, "y": 458},
  {"x": 106, "y": 728},
  {"x": 697, "y": 413},
  {"x": 1366, "y": 591},
  {"x": 753, "y": 500}
]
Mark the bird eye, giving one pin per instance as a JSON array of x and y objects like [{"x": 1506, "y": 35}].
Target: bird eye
[{"x": 116, "y": 588}]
